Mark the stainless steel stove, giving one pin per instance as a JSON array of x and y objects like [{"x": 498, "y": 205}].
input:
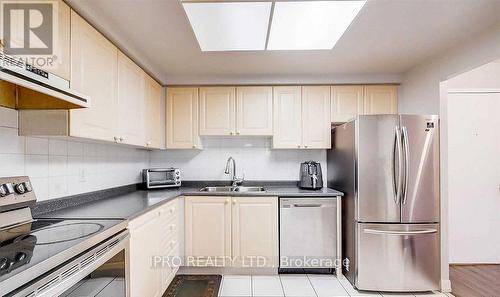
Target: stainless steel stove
[{"x": 53, "y": 257}]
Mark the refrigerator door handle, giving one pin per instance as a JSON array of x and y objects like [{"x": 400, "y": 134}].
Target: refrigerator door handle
[
  {"x": 397, "y": 177},
  {"x": 392, "y": 232},
  {"x": 406, "y": 165}
]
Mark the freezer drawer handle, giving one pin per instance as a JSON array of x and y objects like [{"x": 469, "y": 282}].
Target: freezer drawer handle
[{"x": 391, "y": 232}]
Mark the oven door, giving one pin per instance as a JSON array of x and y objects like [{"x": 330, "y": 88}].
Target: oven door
[{"x": 101, "y": 271}]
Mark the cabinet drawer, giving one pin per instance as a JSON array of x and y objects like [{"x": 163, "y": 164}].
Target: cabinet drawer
[{"x": 170, "y": 209}]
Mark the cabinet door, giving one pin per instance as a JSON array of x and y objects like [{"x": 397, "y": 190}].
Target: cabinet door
[
  {"x": 347, "y": 103},
  {"x": 182, "y": 118},
  {"x": 255, "y": 231},
  {"x": 62, "y": 64},
  {"x": 381, "y": 100},
  {"x": 217, "y": 111},
  {"x": 144, "y": 245},
  {"x": 58, "y": 61},
  {"x": 93, "y": 72},
  {"x": 153, "y": 127},
  {"x": 131, "y": 103},
  {"x": 316, "y": 125},
  {"x": 208, "y": 230},
  {"x": 287, "y": 117},
  {"x": 254, "y": 111}
]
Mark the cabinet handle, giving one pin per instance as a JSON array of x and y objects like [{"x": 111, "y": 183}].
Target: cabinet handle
[
  {"x": 172, "y": 210},
  {"x": 226, "y": 201},
  {"x": 298, "y": 146},
  {"x": 234, "y": 201},
  {"x": 305, "y": 145},
  {"x": 230, "y": 133},
  {"x": 121, "y": 138},
  {"x": 148, "y": 143},
  {"x": 194, "y": 146},
  {"x": 115, "y": 138},
  {"x": 237, "y": 133}
]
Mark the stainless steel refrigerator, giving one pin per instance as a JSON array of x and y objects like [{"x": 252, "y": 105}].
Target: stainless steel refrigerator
[{"x": 388, "y": 168}]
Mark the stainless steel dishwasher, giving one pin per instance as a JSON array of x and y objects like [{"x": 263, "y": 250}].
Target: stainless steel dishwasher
[{"x": 308, "y": 234}]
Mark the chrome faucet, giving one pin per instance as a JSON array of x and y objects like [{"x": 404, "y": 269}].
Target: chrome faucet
[{"x": 236, "y": 181}]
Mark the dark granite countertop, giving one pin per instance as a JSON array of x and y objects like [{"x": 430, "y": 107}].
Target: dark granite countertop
[{"x": 133, "y": 204}]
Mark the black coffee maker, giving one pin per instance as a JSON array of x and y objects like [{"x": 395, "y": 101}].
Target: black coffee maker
[{"x": 310, "y": 175}]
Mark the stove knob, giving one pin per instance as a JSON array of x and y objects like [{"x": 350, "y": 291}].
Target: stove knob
[
  {"x": 20, "y": 188},
  {"x": 3, "y": 263},
  {"x": 28, "y": 186},
  {"x": 20, "y": 256},
  {"x": 6, "y": 189}
]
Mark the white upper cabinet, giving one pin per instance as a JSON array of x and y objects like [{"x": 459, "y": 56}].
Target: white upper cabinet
[
  {"x": 182, "y": 118},
  {"x": 217, "y": 111},
  {"x": 94, "y": 73},
  {"x": 381, "y": 99},
  {"x": 287, "y": 117},
  {"x": 153, "y": 127},
  {"x": 254, "y": 111},
  {"x": 316, "y": 125},
  {"x": 58, "y": 62},
  {"x": 347, "y": 103},
  {"x": 131, "y": 102},
  {"x": 62, "y": 64}
]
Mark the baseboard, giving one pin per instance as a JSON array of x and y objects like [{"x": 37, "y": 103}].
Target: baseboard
[{"x": 445, "y": 286}]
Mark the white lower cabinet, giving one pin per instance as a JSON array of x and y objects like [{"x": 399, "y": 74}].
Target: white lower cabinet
[
  {"x": 208, "y": 230},
  {"x": 231, "y": 231},
  {"x": 153, "y": 239},
  {"x": 255, "y": 231}
]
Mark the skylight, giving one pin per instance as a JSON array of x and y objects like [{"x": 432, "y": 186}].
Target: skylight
[
  {"x": 294, "y": 25},
  {"x": 229, "y": 26},
  {"x": 310, "y": 25}
]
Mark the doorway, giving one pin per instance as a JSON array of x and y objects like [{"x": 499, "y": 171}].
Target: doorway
[{"x": 473, "y": 181}]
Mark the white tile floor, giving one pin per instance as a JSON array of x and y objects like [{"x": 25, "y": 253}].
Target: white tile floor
[{"x": 297, "y": 286}]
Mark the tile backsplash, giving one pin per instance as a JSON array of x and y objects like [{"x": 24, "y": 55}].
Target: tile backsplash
[
  {"x": 60, "y": 167},
  {"x": 255, "y": 159}
]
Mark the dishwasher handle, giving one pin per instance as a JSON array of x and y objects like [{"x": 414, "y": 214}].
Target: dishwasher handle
[{"x": 309, "y": 204}]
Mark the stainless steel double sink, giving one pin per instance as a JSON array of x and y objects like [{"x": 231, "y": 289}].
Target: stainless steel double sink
[{"x": 240, "y": 189}]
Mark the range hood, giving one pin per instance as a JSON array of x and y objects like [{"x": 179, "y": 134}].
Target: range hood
[{"x": 23, "y": 86}]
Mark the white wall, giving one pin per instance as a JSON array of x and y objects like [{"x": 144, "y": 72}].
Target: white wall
[
  {"x": 59, "y": 167},
  {"x": 483, "y": 77},
  {"x": 419, "y": 91},
  {"x": 254, "y": 157}
]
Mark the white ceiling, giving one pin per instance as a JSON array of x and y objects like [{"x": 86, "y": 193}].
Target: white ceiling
[{"x": 387, "y": 38}]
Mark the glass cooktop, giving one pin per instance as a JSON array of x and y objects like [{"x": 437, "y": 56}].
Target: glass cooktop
[{"x": 25, "y": 246}]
